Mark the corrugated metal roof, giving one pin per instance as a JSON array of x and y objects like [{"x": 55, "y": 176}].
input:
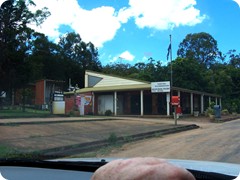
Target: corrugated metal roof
[
  {"x": 109, "y": 80},
  {"x": 134, "y": 87},
  {"x": 113, "y": 88},
  {"x": 143, "y": 85}
]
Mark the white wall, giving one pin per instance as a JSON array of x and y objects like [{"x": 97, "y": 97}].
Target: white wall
[{"x": 105, "y": 102}]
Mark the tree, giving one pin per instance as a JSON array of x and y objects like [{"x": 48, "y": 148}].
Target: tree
[
  {"x": 201, "y": 47},
  {"x": 188, "y": 73},
  {"x": 79, "y": 55},
  {"x": 120, "y": 69},
  {"x": 234, "y": 58},
  {"x": 147, "y": 71},
  {"x": 14, "y": 41},
  {"x": 44, "y": 59}
]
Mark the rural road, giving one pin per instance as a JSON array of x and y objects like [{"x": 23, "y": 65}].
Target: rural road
[{"x": 213, "y": 142}]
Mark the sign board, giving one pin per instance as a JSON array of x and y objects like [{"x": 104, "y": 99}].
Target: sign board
[
  {"x": 175, "y": 100},
  {"x": 157, "y": 87}
]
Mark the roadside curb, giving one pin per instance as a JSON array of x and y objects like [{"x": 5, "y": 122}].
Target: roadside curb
[
  {"x": 52, "y": 122},
  {"x": 222, "y": 120},
  {"x": 95, "y": 145}
]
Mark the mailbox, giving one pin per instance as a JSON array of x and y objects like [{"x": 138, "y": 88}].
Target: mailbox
[{"x": 175, "y": 100}]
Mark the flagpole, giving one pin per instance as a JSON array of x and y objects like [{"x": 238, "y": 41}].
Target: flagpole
[
  {"x": 171, "y": 83},
  {"x": 171, "y": 80}
]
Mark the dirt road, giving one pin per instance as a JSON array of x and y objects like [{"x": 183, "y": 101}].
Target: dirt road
[{"x": 217, "y": 142}]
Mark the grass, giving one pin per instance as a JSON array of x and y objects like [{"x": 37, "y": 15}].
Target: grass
[
  {"x": 113, "y": 144},
  {"x": 18, "y": 113},
  {"x": 7, "y": 152}
]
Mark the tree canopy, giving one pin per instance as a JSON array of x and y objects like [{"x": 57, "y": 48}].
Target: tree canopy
[
  {"x": 27, "y": 56},
  {"x": 15, "y": 36},
  {"x": 201, "y": 47}
]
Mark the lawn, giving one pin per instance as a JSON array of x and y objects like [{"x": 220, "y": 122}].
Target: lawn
[
  {"x": 18, "y": 113},
  {"x": 11, "y": 153}
]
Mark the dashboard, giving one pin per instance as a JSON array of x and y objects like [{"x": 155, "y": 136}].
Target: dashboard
[{"x": 67, "y": 169}]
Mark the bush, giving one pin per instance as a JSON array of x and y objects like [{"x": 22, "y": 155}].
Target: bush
[
  {"x": 211, "y": 105},
  {"x": 108, "y": 113},
  {"x": 210, "y": 111},
  {"x": 112, "y": 139},
  {"x": 234, "y": 107},
  {"x": 225, "y": 112}
]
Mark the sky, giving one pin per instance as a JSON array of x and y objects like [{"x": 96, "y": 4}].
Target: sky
[{"x": 132, "y": 31}]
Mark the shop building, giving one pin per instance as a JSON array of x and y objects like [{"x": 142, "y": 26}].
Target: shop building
[{"x": 123, "y": 96}]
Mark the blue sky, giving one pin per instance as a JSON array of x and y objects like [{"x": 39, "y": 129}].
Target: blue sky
[{"x": 135, "y": 30}]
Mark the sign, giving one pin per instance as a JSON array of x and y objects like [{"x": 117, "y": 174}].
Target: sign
[
  {"x": 175, "y": 100},
  {"x": 157, "y": 87}
]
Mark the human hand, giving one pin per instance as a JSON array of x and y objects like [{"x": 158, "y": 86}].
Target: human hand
[{"x": 141, "y": 168}]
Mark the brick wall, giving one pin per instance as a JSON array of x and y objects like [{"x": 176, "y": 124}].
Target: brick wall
[
  {"x": 69, "y": 104},
  {"x": 39, "y": 98}
]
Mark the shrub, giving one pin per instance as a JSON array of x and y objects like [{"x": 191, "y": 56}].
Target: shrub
[
  {"x": 210, "y": 111},
  {"x": 234, "y": 107},
  {"x": 112, "y": 139},
  {"x": 211, "y": 105},
  {"x": 225, "y": 112},
  {"x": 108, "y": 113}
]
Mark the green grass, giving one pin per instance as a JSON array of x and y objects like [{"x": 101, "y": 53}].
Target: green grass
[
  {"x": 7, "y": 152},
  {"x": 18, "y": 113}
]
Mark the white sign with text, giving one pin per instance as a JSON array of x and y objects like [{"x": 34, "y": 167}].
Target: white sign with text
[{"x": 163, "y": 86}]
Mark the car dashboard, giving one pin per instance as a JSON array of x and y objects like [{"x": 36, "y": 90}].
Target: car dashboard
[{"x": 65, "y": 169}]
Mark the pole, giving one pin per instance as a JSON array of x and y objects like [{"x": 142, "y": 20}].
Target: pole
[
  {"x": 171, "y": 84},
  {"x": 171, "y": 81}
]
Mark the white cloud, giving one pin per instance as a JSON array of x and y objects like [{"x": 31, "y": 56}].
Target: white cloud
[
  {"x": 98, "y": 25},
  {"x": 162, "y": 14},
  {"x": 238, "y": 2},
  {"x": 101, "y": 24},
  {"x": 126, "y": 55}
]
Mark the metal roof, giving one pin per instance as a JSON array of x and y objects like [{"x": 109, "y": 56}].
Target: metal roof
[
  {"x": 143, "y": 85},
  {"x": 132, "y": 88}
]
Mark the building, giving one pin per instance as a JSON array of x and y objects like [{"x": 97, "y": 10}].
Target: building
[
  {"x": 39, "y": 93},
  {"x": 123, "y": 96},
  {"x": 44, "y": 89}
]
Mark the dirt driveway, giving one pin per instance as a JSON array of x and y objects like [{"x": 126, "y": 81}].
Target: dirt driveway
[{"x": 211, "y": 142}]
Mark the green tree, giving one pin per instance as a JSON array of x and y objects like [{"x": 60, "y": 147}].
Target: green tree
[
  {"x": 14, "y": 41},
  {"x": 201, "y": 47},
  {"x": 45, "y": 60},
  {"x": 188, "y": 73},
  {"x": 120, "y": 69},
  {"x": 77, "y": 57},
  {"x": 147, "y": 71},
  {"x": 234, "y": 58}
]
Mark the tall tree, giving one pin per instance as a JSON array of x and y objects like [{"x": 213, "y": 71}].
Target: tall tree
[
  {"x": 80, "y": 56},
  {"x": 14, "y": 41},
  {"x": 201, "y": 47},
  {"x": 234, "y": 58},
  {"x": 188, "y": 73},
  {"x": 45, "y": 59}
]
